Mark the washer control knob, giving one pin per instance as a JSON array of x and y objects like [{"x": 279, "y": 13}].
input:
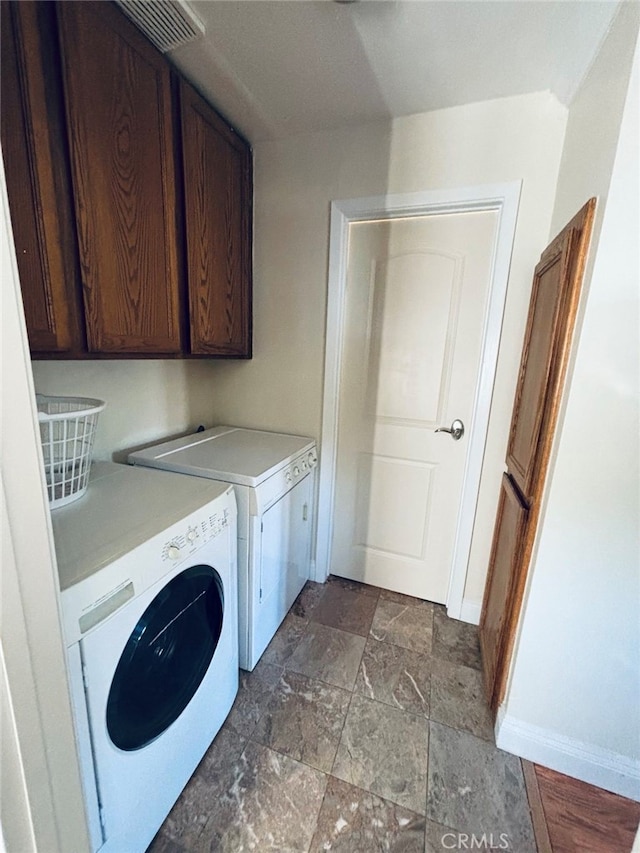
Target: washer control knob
[
  {"x": 288, "y": 476},
  {"x": 312, "y": 458},
  {"x": 173, "y": 552},
  {"x": 192, "y": 535},
  {"x": 296, "y": 471},
  {"x": 304, "y": 465}
]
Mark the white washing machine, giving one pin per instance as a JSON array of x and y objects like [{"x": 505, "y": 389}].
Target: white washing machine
[
  {"x": 148, "y": 576},
  {"x": 274, "y": 476}
]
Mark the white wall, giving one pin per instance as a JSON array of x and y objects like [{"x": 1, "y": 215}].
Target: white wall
[
  {"x": 574, "y": 697},
  {"x": 295, "y": 181},
  {"x": 594, "y": 122},
  {"x": 146, "y": 400},
  {"x": 297, "y": 178}
]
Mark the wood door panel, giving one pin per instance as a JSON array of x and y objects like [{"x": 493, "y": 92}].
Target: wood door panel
[
  {"x": 505, "y": 568},
  {"x": 217, "y": 192},
  {"x": 552, "y": 317},
  {"x": 537, "y": 366},
  {"x": 118, "y": 93},
  {"x": 37, "y": 178}
]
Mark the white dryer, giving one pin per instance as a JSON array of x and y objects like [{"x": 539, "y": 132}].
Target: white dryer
[
  {"x": 148, "y": 577},
  {"x": 274, "y": 476}
]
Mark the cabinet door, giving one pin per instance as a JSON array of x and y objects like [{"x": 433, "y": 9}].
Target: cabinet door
[
  {"x": 118, "y": 104},
  {"x": 554, "y": 303},
  {"x": 38, "y": 182},
  {"x": 539, "y": 362},
  {"x": 218, "y": 199},
  {"x": 504, "y": 588}
]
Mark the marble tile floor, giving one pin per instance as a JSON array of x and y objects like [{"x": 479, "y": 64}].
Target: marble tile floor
[{"x": 363, "y": 728}]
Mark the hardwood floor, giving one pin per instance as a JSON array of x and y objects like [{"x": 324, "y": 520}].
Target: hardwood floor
[{"x": 570, "y": 816}]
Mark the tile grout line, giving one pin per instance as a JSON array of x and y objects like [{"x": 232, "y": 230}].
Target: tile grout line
[
  {"x": 287, "y": 668},
  {"x": 327, "y": 775}
]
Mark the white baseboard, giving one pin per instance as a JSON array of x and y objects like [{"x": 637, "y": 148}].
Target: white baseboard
[
  {"x": 470, "y": 612},
  {"x": 588, "y": 762}
]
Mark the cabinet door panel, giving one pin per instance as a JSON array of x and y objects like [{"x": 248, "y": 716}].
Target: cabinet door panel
[
  {"x": 37, "y": 176},
  {"x": 217, "y": 191},
  {"x": 285, "y": 553},
  {"x": 502, "y": 598},
  {"x": 118, "y": 95},
  {"x": 552, "y": 314},
  {"x": 539, "y": 361}
]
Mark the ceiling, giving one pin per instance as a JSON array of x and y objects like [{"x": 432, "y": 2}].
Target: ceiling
[{"x": 281, "y": 67}]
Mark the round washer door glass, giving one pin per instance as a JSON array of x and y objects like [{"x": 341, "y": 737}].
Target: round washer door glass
[{"x": 165, "y": 658}]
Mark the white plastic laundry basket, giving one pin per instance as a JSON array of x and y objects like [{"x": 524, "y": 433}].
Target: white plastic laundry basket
[{"x": 67, "y": 430}]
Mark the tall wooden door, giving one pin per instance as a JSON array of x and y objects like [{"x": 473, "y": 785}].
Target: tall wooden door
[
  {"x": 416, "y": 299},
  {"x": 121, "y": 136},
  {"x": 555, "y": 295}
]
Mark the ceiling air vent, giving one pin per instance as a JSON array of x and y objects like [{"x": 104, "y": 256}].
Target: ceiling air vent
[{"x": 167, "y": 23}]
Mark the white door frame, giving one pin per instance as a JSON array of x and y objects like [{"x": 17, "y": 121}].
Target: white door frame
[{"x": 502, "y": 198}]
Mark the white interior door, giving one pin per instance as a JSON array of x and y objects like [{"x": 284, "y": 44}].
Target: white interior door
[{"x": 415, "y": 310}]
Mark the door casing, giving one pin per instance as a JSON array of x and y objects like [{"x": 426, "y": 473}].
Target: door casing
[{"x": 503, "y": 198}]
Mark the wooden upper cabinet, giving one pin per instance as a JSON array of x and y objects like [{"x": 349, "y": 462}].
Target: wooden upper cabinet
[
  {"x": 218, "y": 201},
  {"x": 120, "y": 131},
  {"x": 38, "y": 181},
  {"x": 130, "y": 197}
]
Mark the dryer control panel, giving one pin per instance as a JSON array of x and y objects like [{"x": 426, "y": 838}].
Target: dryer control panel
[
  {"x": 198, "y": 532},
  {"x": 287, "y": 478}
]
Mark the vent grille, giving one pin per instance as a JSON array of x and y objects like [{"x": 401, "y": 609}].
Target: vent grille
[{"x": 167, "y": 23}]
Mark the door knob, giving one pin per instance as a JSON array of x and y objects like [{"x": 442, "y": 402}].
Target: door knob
[{"x": 457, "y": 430}]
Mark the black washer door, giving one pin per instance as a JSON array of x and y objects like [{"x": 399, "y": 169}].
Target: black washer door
[{"x": 165, "y": 658}]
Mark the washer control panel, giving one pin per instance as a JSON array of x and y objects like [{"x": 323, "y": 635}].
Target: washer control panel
[{"x": 196, "y": 534}]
